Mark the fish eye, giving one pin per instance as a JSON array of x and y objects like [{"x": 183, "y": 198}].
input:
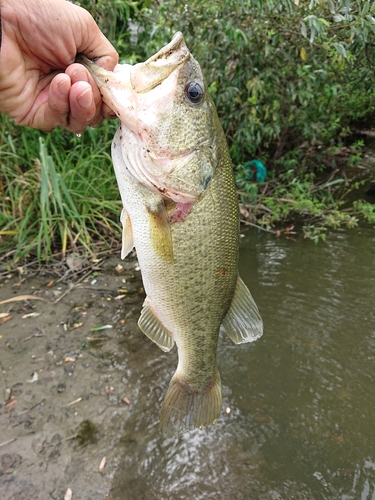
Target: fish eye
[{"x": 194, "y": 92}]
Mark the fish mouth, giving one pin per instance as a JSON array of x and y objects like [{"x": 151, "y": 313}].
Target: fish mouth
[
  {"x": 147, "y": 75},
  {"x": 143, "y": 76}
]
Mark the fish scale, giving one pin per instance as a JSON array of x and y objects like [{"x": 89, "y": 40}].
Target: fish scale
[{"x": 181, "y": 213}]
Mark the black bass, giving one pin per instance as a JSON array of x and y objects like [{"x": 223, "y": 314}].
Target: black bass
[{"x": 181, "y": 214}]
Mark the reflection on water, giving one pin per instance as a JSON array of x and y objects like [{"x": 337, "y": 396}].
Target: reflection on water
[{"x": 298, "y": 418}]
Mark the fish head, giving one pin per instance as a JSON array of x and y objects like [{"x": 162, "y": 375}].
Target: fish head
[{"x": 168, "y": 121}]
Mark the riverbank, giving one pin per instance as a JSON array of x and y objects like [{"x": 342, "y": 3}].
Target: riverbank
[{"x": 67, "y": 385}]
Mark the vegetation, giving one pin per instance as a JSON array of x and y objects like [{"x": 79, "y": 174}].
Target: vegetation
[
  {"x": 290, "y": 79},
  {"x": 57, "y": 191}
]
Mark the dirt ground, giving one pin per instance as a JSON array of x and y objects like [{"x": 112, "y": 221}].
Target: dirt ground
[{"x": 65, "y": 389}]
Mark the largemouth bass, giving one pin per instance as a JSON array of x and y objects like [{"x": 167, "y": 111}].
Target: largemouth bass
[{"x": 181, "y": 213}]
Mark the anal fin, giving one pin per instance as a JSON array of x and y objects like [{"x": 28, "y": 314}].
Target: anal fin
[
  {"x": 243, "y": 322},
  {"x": 127, "y": 234},
  {"x": 153, "y": 328}
]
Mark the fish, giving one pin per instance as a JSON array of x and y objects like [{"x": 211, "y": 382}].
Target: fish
[{"x": 181, "y": 213}]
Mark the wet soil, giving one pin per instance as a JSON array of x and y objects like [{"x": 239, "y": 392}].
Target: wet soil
[{"x": 67, "y": 387}]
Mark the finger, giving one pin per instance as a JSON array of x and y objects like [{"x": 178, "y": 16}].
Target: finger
[
  {"x": 67, "y": 105},
  {"x": 107, "y": 112},
  {"x": 108, "y": 62},
  {"x": 83, "y": 109},
  {"x": 78, "y": 72},
  {"x": 56, "y": 111},
  {"x": 95, "y": 46},
  {"x": 85, "y": 103}
]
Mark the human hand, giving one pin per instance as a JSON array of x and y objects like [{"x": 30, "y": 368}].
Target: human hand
[{"x": 40, "y": 85}]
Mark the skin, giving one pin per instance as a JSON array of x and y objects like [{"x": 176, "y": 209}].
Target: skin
[{"x": 40, "y": 84}]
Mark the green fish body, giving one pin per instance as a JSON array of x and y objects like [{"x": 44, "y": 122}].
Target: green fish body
[{"x": 181, "y": 213}]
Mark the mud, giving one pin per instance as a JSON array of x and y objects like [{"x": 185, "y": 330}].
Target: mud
[{"x": 67, "y": 388}]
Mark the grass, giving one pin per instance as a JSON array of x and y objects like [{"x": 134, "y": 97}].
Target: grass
[{"x": 57, "y": 192}]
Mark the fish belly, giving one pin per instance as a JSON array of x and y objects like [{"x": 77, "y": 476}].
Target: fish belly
[{"x": 189, "y": 290}]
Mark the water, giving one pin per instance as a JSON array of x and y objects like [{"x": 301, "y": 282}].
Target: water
[{"x": 298, "y": 418}]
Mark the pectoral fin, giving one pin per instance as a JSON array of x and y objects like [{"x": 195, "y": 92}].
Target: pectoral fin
[
  {"x": 243, "y": 322},
  {"x": 160, "y": 232},
  {"x": 127, "y": 234},
  {"x": 155, "y": 331}
]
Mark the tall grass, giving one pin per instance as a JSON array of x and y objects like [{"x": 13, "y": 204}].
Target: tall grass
[{"x": 57, "y": 192}]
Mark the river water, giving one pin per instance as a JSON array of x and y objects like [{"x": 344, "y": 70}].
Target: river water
[{"x": 298, "y": 419}]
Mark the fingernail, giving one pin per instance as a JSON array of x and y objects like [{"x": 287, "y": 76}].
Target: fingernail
[
  {"x": 85, "y": 99},
  {"x": 63, "y": 87}
]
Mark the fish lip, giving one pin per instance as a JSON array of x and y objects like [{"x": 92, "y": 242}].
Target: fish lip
[
  {"x": 97, "y": 72},
  {"x": 147, "y": 75},
  {"x": 174, "y": 45}
]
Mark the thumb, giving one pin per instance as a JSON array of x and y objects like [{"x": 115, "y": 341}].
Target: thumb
[{"x": 95, "y": 45}]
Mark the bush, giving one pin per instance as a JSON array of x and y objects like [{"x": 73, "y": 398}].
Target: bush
[{"x": 288, "y": 78}]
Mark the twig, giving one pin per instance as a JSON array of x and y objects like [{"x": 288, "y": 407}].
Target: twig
[
  {"x": 62, "y": 440},
  {"x": 32, "y": 407},
  {"x": 71, "y": 271},
  {"x": 22, "y": 297},
  {"x": 116, "y": 246},
  {"x": 75, "y": 284},
  {"x": 36, "y": 334},
  {"x": 68, "y": 438},
  {"x": 5, "y": 384},
  {"x": 74, "y": 402},
  {"x": 64, "y": 294},
  {"x": 7, "y": 442},
  {"x": 65, "y": 275},
  {"x": 8, "y": 254},
  {"x": 258, "y": 227}
]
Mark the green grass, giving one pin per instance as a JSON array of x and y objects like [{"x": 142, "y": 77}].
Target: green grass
[{"x": 58, "y": 192}]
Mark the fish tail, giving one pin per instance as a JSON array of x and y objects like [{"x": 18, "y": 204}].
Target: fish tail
[{"x": 186, "y": 406}]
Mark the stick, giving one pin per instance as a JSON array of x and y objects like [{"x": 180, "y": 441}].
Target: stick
[
  {"x": 74, "y": 402},
  {"x": 74, "y": 285},
  {"x": 258, "y": 227},
  {"x": 32, "y": 407},
  {"x": 22, "y": 297},
  {"x": 6, "y": 390},
  {"x": 7, "y": 442}
]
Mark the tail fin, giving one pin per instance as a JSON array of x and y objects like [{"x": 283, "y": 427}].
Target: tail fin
[{"x": 186, "y": 406}]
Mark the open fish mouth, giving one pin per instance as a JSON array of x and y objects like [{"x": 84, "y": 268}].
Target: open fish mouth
[
  {"x": 147, "y": 75},
  {"x": 143, "y": 76}
]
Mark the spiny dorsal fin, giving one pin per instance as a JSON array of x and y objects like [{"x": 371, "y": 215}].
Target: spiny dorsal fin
[
  {"x": 155, "y": 331},
  {"x": 243, "y": 322},
  {"x": 127, "y": 234}
]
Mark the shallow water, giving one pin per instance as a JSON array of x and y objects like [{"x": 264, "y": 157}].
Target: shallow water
[{"x": 298, "y": 419}]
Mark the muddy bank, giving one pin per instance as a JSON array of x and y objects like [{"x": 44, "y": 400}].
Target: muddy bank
[{"x": 67, "y": 385}]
